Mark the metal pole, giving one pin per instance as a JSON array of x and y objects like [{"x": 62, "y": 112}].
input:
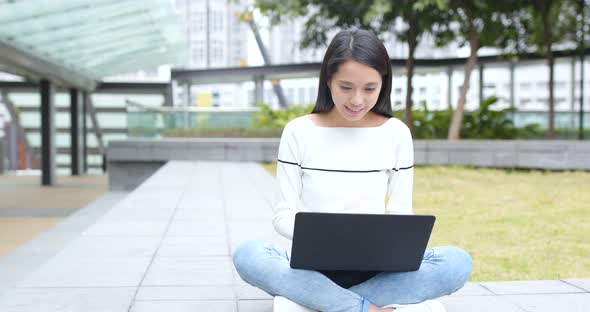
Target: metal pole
[
  {"x": 84, "y": 132},
  {"x": 573, "y": 93},
  {"x": 187, "y": 93},
  {"x": 208, "y": 36},
  {"x": 2, "y": 152},
  {"x": 512, "y": 99},
  {"x": 75, "y": 112},
  {"x": 583, "y": 26},
  {"x": 48, "y": 150},
  {"x": 259, "y": 90}
]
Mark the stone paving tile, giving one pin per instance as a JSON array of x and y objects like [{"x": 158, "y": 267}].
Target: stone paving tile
[
  {"x": 583, "y": 283},
  {"x": 472, "y": 289},
  {"x": 240, "y": 231},
  {"x": 184, "y": 306},
  {"x": 237, "y": 280},
  {"x": 96, "y": 247},
  {"x": 198, "y": 213},
  {"x": 62, "y": 271},
  {"x": 207, "y": 202},
  {"x": 159, "y": 197},
  {"x": 193, "y": 246},
  {"x": 251, "y": 292},
  {"x": 186, "y": 293},
  {"x": 147, "y": 205},
  {"x": 265, "y": 183},
  {"x": 255, "y": 305},
  {"x": 248, "y": 211},
  {"x": 189, "y": 272},
  {"x": 127, "y": 228},
  {"x": 67, "y": 299},
  {"x": 197, "y": 228},
  {"x": 139, "y": 214},
  {"x": 552, "y": 303},
  {"x": 479, "y": 304},
  {"x": 530, "y": 287}
]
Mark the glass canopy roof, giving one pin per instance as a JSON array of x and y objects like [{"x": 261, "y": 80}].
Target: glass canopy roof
[{"x": 86, "y": 40}]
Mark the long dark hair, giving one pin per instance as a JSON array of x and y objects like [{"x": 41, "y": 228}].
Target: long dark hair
[{"x": 361, "y": 46}]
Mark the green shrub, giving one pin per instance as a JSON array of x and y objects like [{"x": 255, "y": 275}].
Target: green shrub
[
  {"x": 268, "y": 117},
  {"x": 427, "y": 124},
  {"x": 484, "y": 123}
]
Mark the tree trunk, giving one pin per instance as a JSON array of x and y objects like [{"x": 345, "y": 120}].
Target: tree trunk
[
  {"x": 457, "y": 120},
  {"x": 550, "y": 61},
  {"x": 551, "y": 130},
  {"x": 412, "y": 42}
]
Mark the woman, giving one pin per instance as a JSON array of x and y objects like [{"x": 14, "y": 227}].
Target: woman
[{"x": 335, "y": 160}]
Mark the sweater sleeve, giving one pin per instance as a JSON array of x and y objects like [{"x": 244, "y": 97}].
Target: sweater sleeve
[
  {"x": 288, "y": 182},
  {"x": 401, "y": 177}
]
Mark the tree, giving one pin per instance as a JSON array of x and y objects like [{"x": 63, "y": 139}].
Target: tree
[
  {"x": 583, "y": 7},
  {"x": 323, "y": 16},
  {"x": 476, "y": 23},
  {"x": 550, "y": 22},
  {"x": 419, "y": 18},
  {"x": 378, "y": 16}
]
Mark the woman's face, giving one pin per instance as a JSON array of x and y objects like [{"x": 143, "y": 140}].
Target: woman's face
[{"x": 355, "y": 89}]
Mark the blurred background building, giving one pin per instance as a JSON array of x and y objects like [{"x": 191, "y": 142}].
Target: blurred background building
[{"x": 216, "y": 38}]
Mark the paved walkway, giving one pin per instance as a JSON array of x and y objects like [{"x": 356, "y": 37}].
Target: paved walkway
[
  {"x": 28, "y": 209},
  {"x": 166, "y": 247}
]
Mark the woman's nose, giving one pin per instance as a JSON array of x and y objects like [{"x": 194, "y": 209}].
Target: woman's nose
[{"x": 357, "y": 99}]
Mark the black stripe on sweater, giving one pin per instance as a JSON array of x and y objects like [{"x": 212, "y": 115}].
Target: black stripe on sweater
[{"x": 347, "y": 171}]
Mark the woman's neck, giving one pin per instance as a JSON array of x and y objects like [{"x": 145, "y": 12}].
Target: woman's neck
[{"x": 334, "y": 119}]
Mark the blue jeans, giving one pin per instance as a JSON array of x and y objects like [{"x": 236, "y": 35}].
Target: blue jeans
[{"x": 443, "y": 271}]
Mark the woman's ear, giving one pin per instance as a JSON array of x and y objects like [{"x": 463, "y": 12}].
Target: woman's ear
[{"x": 329, "y": 82}]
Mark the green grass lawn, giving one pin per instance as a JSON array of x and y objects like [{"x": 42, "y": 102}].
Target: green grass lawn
[{"x": 516, "y": 224}]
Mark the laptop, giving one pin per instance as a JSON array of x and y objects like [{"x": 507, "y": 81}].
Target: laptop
[{"x": 359, "y": 242}]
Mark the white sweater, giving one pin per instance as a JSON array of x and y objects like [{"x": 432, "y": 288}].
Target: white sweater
[{"x": 342, "y": 169}]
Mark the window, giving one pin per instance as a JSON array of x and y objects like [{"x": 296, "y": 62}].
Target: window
[
  {"x": 199, "y": 22},
  {"x": 313, "y": 93},
  {"x": 542, "y": 84},
  {"x": 216, "y": 51},
  {"x": 216, "y": 21},
  {"x": 525, "y": 85},
  {"x": 525, "y": 101},
  {"x": 302, "y": 97}
]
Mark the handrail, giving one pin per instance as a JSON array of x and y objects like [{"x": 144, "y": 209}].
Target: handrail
[
  {"x": 190, "y": 108},
  {"x": 96, "y": 126}
]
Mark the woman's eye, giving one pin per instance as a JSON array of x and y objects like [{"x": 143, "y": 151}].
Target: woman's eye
[
  {"x": 370, "y": 89},
  {"x": 345, "y": 88}
]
